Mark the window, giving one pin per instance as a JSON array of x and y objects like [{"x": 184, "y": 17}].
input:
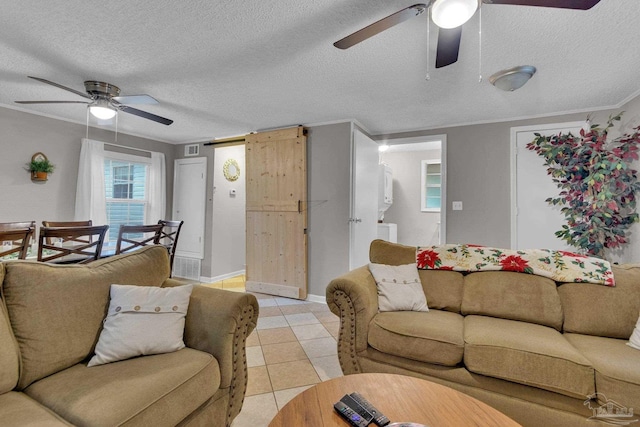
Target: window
[
  {"x": 431, "y": 186},
  {"x": 125, "y": 179}
]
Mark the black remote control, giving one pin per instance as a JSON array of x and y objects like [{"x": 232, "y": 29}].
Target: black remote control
[
  {"x": 378, "y": 417},
  {"x": 350, "y": 415}
]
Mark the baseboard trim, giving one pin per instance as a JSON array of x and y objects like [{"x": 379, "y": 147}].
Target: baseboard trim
[
  {"x": 222, "y": 276},
  {"x": 317, "y": 298}
]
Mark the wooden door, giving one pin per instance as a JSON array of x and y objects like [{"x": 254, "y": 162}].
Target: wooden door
[{"x": 276, "y": 186}]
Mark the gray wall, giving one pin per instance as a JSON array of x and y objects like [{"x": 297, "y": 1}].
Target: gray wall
[
  {"x": 415, "y": 228},
  {"x": 329, "y": 174},
  {"x": 23, "y": 134},
  {"x": 478, "y": 173}
]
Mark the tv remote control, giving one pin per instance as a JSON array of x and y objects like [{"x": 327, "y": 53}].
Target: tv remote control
[
  {"x": 350, "y": 415},
  {"x": 378, "y": 417}
]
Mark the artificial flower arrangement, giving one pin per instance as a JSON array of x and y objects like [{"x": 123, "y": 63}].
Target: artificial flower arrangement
[{"x": 597, "y": 185}]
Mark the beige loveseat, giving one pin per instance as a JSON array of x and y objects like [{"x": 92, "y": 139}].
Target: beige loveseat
[
  {"x": 526, "y": 345},
  {"x": 50, "y": 320}
]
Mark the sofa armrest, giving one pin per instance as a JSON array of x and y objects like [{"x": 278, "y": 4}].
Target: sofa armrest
[
  {"x": 219, "y": 322},
  {"x": 354, "y": 298}
]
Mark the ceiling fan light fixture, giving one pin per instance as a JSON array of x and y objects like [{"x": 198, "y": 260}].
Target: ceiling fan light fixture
[
  {"x": 512, "y": 78},
  {"x": 452, "y": 13},
  {"x": 102, "y": 110}
]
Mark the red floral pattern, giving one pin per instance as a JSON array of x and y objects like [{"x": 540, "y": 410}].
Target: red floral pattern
[
  {"x": 561, "y": 266},
  {"x": 514, "y": 263},
  {"x": 428, "y": 259}
]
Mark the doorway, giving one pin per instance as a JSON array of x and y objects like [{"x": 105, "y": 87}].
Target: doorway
[{"x": 419, "y": 189}]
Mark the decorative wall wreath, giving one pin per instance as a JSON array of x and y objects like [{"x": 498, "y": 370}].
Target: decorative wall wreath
[{"x": 231, "y": 170}]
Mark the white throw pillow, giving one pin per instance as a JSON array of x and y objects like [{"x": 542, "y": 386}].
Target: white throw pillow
[
  {"x": 399, "y": 287},
  {"x": 142, "y": 320},
  {"x": 634, "y": 341}
]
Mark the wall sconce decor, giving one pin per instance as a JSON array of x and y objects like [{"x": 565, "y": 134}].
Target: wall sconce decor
[{"x": 40, "y": 167}]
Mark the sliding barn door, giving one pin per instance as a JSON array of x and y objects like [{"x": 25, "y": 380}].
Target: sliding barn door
[{"x": 276, "y": 183}]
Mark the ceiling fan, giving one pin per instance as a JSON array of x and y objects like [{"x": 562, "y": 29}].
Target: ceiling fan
[
  {"x": 105, "y": 100},
  {"x": 449, "y": 15}
]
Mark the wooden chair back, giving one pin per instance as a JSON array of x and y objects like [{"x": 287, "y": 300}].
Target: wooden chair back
[
  {"x": 131, "y": 237},
  {"x": 15, "y": 241},
  {"x": 6, "y": 226},
  {"x": 169, "y": 237},
  {"x": 87, "y": 223},
  {"x": 71, "y": 244}
]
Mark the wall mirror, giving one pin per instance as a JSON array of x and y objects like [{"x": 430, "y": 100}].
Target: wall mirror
[{"x": 231, "y": 170}]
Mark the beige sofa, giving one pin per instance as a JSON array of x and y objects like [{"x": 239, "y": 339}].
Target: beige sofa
[
  {"x": 526, "y": 345},
  {"x": 50, "y": 321}
]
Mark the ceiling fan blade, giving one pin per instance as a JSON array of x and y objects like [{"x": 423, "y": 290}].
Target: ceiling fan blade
[
  {"x": 136, "y": 99},
  {"x": 49, "y": 82},
  {"x": 448, "y": 46},
  {"x": 562, "y": 4},
  {"x": 380, "y": 26},
  {"x": 51, "y": 102},
  {"x": 144, "y": 114}
]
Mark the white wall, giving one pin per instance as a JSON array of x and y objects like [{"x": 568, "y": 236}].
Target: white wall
[
  {"x": 23, "y": 134},
  {"x": 228, "y": 238},
  {"x": 415, "y": 228},
  {"x": 328, "y": 172}
]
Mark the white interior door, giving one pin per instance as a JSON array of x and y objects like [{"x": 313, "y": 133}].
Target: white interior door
[
  {"x": 364, "y": 198},
  {"x": 189, "y": 197},
  {"x": 533, "y": 221}
]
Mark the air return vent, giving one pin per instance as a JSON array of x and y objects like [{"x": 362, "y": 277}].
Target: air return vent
[
  {"x": 191, "y": 150},
  {"x": 186, "y": 268}
]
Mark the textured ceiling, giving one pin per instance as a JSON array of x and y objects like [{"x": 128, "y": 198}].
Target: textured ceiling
[{"x": 227, "y": 68}]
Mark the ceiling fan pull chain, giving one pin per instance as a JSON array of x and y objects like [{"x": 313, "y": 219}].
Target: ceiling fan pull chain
[
  {"x": 117, "y": 126},
  {"x": 428, "y": 77},
  {"x": 87, "y": 132},
  {"x": 480, "y": 45}
]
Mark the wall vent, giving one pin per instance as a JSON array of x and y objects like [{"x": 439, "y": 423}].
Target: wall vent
[
  {"x": 191, "y": 150},
  {"x": 186, "y": 268}
]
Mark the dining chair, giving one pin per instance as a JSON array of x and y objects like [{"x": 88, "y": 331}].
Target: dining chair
[
  {"x": 87, "y": 223},
  {"x": 15, "y": 241},
  {"x": 131, "y": 237},
  {"x": 4, "y": 226},
  {"x": 71, "y": 244},
  {"x": 169, "y": 237}
]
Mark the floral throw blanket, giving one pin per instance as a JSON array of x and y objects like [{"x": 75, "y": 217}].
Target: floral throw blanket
[{"x": 560, "y": 266}]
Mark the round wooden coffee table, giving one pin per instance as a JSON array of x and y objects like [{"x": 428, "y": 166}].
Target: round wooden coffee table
[{"x": 400, "y": 398}]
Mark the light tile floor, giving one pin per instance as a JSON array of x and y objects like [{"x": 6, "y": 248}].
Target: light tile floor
[{"x": 293, "y": 347}]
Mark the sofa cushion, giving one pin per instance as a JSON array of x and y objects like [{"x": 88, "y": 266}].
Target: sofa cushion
[
  {"x": 148, "y": 391},
  {"x": 511, "y": 295},
  {"x": 18, "y": 409},
  {"x": 9, "y": 362},
  {"x": 526, "y": 353},
  {"x": 433, "y": 337},
  {"x": 617, "y": 367},
  {"x": 634, "y": 339},
  {"x": 601, "y": 310},
  {"x": 399, "y": 287},
  {"x": 56, "y": 311},
  {"x": 442, "y": 288},
  {"x": 142, "y": 320}
]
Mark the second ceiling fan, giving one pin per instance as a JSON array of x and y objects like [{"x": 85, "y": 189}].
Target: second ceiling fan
[{"x": 449, "y": 15}]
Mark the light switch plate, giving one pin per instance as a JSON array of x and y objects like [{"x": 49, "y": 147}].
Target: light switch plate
[{"x": 456, "y": 206}]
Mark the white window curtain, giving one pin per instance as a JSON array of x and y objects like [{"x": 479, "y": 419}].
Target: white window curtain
[
  {"x": 156, "y": 184},
  {"x": 90, "y": 195}
]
